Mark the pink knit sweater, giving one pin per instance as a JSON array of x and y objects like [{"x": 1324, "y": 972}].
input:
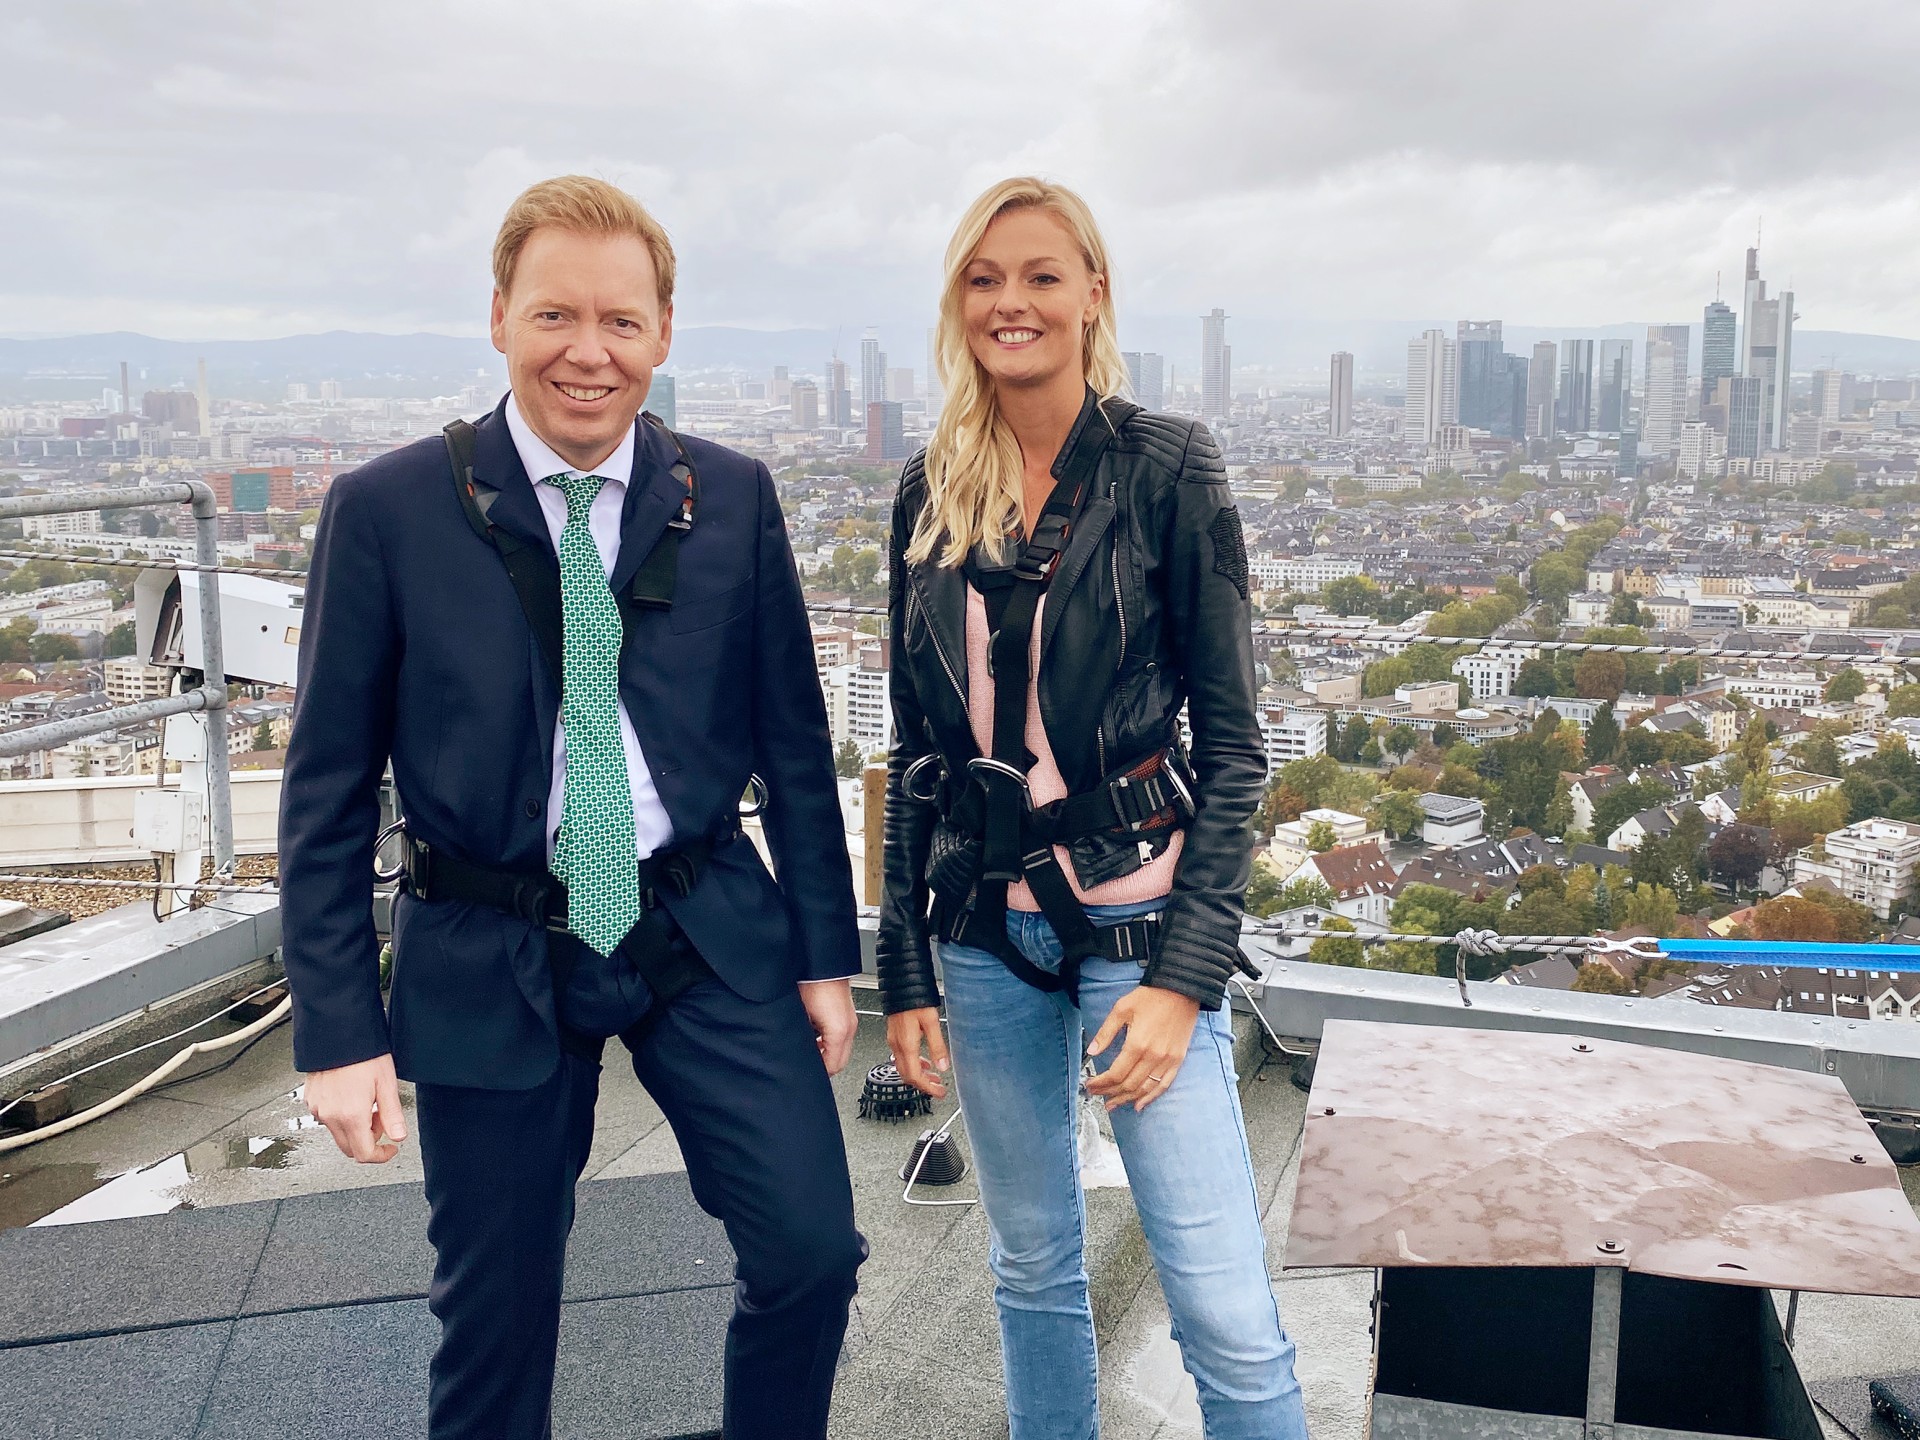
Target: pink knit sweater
[{"x": 1150, "y": 881}]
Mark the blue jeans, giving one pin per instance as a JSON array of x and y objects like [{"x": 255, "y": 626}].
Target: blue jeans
[{"x": 1016, "y": 1062}]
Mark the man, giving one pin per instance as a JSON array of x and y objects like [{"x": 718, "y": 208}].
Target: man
[{"x": 575, "y": 659}]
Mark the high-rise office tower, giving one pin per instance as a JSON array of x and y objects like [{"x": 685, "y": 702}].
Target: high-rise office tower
[
  {"x": 873, "y": 369},
  {"x": 1481, "y": 351},
  {"x": 803, "y": 399},
  {"x": 1664, "y": 410},
  {"x": 1613, "y": 387},
  {"x": 663, "y": 401},
  {"x": 1340, "y": 395},
  {"x": 1509, "y": 418},
  {"x": 1766, "y": 351},
  {"x": 900, "y": 384},
  {"x": 839, "y": 396},
  {"x": 886, "y": 432},
  {"x": 1826, "y": 396},
  {"x": 1719, "y": 342},
  {"x": 1540, "y": 384},
  {"x": 1745, "y": 398},
  {"x": 1576, "y": 387},
  {"x": 205, "y": 402},
  {"x": 1216, "y": 366},
  {"x": 1147, "y": 375},
  {"x": 1433, "y": 387},
  {"x": 779, "y": 392}
]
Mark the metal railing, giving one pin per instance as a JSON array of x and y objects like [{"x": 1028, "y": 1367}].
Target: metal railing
[{"x": 209, "y": 697}]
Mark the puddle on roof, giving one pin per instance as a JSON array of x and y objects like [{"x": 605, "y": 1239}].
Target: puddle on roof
[{"x": 74, "y": 1194}]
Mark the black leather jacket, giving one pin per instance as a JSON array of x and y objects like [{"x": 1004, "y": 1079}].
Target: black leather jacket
[{"x": 1147, "y": 610}]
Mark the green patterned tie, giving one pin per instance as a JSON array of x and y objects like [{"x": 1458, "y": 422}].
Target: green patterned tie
[{"x": 595, "y": 852}]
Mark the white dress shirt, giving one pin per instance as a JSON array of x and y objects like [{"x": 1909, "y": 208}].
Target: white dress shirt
[{"x": 652, "y": 830}]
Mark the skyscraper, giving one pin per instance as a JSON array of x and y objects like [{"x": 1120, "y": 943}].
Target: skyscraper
[
  {"x": 1826, "y": 396},
  {"x": 873, "y": 369},
  {"x": 1576, "y": 387},
  {"x": 780, "y": 390},
  {"x": 204, "y": 400},
  {"x": 1766, "y": 352},
  {"x": 662, "y": 401},
  {"x": 1481, "y": 372},
  {"x": 1719, "y": 340},
  {"x": 1745, "y": 396},
  {"x": 1433, "y": 387},
  {"x": 936, "y": 392},
  {"x": 1540, "y": 383},
  {"x": 1509, "y": 419},
  {"x": 900, "y": 383},
  {"x": 1340, "y": 395},
  {"x": 803, "y": 399},
  {"x": 839, "y": 397},
  {"x": 1216, "y": 366},
  {"x": 886, "y": 433},
  {"x": 1613, "y": 387},
  {"x": 1146, "y": 373},
  {"x": 1664, "y": 410}
]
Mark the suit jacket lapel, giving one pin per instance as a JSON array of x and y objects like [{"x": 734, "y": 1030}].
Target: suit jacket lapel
[{"x": 653, "y": 497}]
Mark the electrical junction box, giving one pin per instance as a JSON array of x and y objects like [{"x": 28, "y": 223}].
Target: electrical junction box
[{"x": 169, "y": 822}]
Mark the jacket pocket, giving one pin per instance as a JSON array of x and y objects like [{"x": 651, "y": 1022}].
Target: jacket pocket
[
  {"x": 1103, "y": 857},
  {"x": 687, "y": 616}
]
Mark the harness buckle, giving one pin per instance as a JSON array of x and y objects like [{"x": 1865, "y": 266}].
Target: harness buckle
[
  {"x": 679, "y": 873},
  {"x": 987, "y": 765},
  {"x": 381, "y": 874}
]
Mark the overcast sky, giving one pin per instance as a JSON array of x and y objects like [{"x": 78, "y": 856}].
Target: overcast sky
[{"x": 247, "y": 169}]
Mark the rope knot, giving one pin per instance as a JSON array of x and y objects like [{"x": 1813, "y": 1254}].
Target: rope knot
[{"x": 1480, "y": 943}]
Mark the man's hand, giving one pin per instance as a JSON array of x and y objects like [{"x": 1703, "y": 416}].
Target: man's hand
[
  {"x": 830, "y": 1007},
  {"x": 360, "y": 1106},
  {"x": 1159, "y": 1026},
  {"x": 905, "y": 1033}
]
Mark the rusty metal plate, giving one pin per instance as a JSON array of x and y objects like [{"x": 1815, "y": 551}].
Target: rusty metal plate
[{"x": 1432, "y": 1145}]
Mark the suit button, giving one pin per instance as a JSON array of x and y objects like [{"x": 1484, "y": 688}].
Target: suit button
[{"x": 533, "y": 809}]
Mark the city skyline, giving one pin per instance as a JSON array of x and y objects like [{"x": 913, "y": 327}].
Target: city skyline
[{"x": 218, "y": 173}]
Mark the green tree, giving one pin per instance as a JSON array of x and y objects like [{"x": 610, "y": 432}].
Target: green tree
[
  {"x": 1401, "y": 739},
  {"x": 1267, "y": 895},
  {"x": 263, "y": 735},
  {"x": 1603, "y": 736},
  {"x": 848, "y": 762},
  {"x": 47, "y": 648},
  {"x": 1622, "y": 801},
  {"x": 120, "y": 640},
  {"x": 1849, "y": 684},
  {"x": 1597, "y": 979},
  {"x": 1320, "y": 837},
  {"x": 1652, "y": 906},
  {"x": 1351, "y": 595},
  {"x": 1903, "y": 702},
  {"x": 1397, "y": 812},
  {"x": 1599, "y": 676},
  {"x": 1338, "y": 949},
  {"x": 1559, "y": 817},
  {"x": 1602, "y": 904},
  {"x": 1353, "y": 738}
]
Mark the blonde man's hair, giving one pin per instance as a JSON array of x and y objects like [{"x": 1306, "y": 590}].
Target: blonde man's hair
[
  {"x": 973, "y": 461},
  {"x": 588, "y": 207}
]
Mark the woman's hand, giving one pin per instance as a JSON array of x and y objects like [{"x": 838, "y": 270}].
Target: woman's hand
[
  {"x": 906, "y": 1031},
  {"x": 1159, "y": 1026}
]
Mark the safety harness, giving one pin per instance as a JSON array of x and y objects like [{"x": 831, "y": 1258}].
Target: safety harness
[
  {"x": 1007, "y": 838},
  {"x": 538, "y": 895}
]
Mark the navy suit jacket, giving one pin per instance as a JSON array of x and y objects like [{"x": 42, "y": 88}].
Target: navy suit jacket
[{"x": 414, "y": 650}]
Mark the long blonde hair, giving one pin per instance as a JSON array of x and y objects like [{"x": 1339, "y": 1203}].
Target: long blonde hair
[{"x": 973, "y": 461}]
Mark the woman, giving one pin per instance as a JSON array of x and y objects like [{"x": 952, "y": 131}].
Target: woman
[{"x": 1067, "y": 570}]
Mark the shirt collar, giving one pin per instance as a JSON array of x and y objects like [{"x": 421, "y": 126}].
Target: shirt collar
[{"x": 540, "y": 461}]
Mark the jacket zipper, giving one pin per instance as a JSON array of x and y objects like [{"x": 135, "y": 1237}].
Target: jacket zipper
[
  {"x": 933, "y": 634},
  {"x": 1120, "y": 609}
]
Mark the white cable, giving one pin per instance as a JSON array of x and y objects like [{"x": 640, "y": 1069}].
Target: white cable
[
  {"x": 133, "y": 1092},
  {"x": 149, "y": 1045},
  {"x": 1261, "y": 1016},
  {"x": 926, "y": 1150}
]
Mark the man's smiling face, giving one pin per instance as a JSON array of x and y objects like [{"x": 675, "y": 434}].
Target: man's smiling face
[{"x": 583, "y": 330}]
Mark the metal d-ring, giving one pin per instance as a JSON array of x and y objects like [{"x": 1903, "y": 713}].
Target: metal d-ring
[
  {"x": 928, "y": 761},
  {"x": 387, "y": 877},
  {"x": 757, "y": 790},
  {"x": 1005, "y": 771}
]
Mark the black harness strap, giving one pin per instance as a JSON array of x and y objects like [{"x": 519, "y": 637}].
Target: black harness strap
[{"x": 1011, "y": 850}]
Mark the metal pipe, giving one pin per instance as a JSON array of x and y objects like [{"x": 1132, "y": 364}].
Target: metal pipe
[
  {"x": 97, "y": 722},
  {"x": 174, "y": 492},
  {"x": 214, "y": 674}
]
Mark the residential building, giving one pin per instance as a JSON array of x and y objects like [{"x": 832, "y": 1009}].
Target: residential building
[
  {"x": 1361, "y": 879},
  {"x": 1288, "y": 847},
  {"x": 1589, "y": 608},
  {"x": 1292, "y": 734},
  {"x": 1871, "y": 862},
  {"x": 75, "y": 522},
  {"x": 1216, "y": 366},
  {"x": 1433, "y": 393},
  {"x": 1668, "y": 612},
  {"x": 1340, "y": 395},
  {"x": 1490, "y": 673},
  {"x": 1452, "y": 820},
  {"x": 1779, "y": 690},
  {"x": 1700, "y": 452},
  {"x": 129, "y": 680}
]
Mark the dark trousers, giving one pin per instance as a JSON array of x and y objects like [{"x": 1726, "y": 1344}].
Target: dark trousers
[{"x": 749, "y": 1102}]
